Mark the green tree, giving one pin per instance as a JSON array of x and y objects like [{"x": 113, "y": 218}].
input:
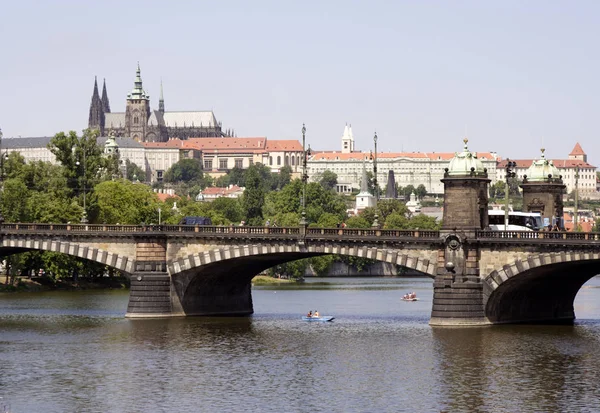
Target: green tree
[
  {"x": 357, "y": 222},
  {"x": 123, "y": 202},
  {"x": 230, "y": 208},
  {"x": 423, "y": 221},
  {"x": 254, "y": 196},
  {"x": 186, "y": 170},
  {"x": 285, "y": 176},
  {"x": 396, "y": 220},
  {"x": 421, "y": 191},
  {"x": 134, "y": 173},
  {"x": 328, "y": 180}
]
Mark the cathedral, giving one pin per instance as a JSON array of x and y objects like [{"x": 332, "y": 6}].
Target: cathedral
[{"x": 146, "y": 125}]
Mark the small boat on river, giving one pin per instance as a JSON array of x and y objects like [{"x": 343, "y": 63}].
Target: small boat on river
[
  {"x": 318, "y": 318},
  {"x": 410, "y": 299}
]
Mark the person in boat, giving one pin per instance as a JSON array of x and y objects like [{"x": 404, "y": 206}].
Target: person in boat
[
  {"x": 310, "y": 314},
  {"x": 413, "y": 295},
  {"x": 316, "y": 313}
]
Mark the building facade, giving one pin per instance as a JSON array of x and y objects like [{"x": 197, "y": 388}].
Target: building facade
[{"x": 143, "y": 124}]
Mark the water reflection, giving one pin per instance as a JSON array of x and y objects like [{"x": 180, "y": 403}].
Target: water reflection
[{"x": 78, "y": 353}]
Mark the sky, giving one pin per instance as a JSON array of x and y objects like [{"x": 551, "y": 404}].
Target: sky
[{"x": 512, "y": 76}]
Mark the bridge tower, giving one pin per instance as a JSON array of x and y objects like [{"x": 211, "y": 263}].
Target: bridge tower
[
  {"x": 543, "y": 189},
  {"x": 458, "y": 289}
]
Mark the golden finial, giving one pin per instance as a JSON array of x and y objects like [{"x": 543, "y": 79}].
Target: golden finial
[
  {"x": 465, "y": 140},
  {"x": 543, "y": 150}
]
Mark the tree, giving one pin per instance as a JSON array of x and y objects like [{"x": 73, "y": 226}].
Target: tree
[
  {"x": 254, "y": 196},
  {"x": 423, "y": 221},
  {"x": 357, "y": 222},
  {"x": 186, "y": 170},
  {"x": 421, "y": 191},
  {"x": 230, "y": 208},
  {"x": 123, "y": 202},
  {"x": 396, "y": 220},
  {"x": 328, "y": 180},
  {"x": 133, "y": 172},
  {"x": 285, "y": 176}
]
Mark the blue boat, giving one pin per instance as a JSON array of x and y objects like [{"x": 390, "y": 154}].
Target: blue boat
[{"x": 320, "y": 318}]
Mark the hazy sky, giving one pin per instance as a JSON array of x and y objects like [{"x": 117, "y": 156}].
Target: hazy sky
[{"x": 512, "y": 75}]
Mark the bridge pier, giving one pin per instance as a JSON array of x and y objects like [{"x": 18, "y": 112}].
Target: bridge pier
[{"x": 150, "y": 295}]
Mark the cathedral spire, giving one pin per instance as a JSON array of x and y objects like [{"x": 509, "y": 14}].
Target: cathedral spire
[
  {"x": 105, "y": 103},
  {"x": 96, "y": 117},
  {"x": 161, "y": 100}
]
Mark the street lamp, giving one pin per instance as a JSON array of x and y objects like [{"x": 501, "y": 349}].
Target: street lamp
[
  {"x": 84, "y": 219},
  {"x": 159, "y": 216},
  {"x": 303, "y": 221},
  {"x": 509, "y": 174},
  {"x": 576, "y": 206},
  {"x": 375, "y": 185}
]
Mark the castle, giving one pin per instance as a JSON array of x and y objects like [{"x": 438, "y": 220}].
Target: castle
[{"x": 143, "y": 124}]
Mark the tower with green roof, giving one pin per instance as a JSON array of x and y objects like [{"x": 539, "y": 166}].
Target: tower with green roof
[
  {"x": 543, "y": 190},
  {"x": 137, "y": 110}
]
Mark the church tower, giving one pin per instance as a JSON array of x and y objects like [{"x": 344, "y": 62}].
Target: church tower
[
  {"x": 96, "y": 118},
  {"x": 161, "y": 101},
  {"x": 347, "y": 140},
  {"x": 105, "y": 103},
  {"x": 137, "y": 110}
]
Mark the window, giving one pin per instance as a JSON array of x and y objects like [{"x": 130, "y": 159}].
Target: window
[
  {"x": 278, "y": 160},
  {"x": 251, "y": 162},
  {"x": 239, "y": 163},
  {"x": 287, "y": 160},
  {"x": 159, "y": 176},
  {"x": 270, "y": 160},
  {"x": 223, "y": 163},
  {"x": 293, "y": 160},
  {"x": 135, "y": 120},
  {"x": 208, "y": 164}
]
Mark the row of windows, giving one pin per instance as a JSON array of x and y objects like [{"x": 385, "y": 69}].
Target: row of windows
[
  {"x": 224, "y": 163},
  {"x": 295, "y": 159}
]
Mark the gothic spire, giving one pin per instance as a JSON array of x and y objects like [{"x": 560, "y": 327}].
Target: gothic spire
[
  {"x": 96, "y": 117},
  {"x": 161, "y": 100},
  {"x": 105, "y": 103}
]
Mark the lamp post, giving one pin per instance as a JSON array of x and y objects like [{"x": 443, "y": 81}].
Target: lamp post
[
  {"x": 575, "y": 208},
  {"x": 509, "y": 174},
  {"x": 159, "y": 216},
  {"x": 303, "y": 221},
  {"x": 84, "y": 219},
  {"x": 375, "y": 186}
]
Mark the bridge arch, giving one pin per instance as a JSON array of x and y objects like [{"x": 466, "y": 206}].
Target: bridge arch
[
  {"x": 540, "y": 288},
  {"x": 220, "y": 278},
  {"x": 110, "y": 259},
  {"x": 422, "y": 260}
]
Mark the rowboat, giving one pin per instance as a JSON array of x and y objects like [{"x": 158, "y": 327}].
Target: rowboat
[
  {"x": 320, "y": 318},
  {"x": 410, "y": 299}
]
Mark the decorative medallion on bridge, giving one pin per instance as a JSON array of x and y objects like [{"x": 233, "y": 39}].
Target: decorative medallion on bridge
[{"x": 453, "y": 242}]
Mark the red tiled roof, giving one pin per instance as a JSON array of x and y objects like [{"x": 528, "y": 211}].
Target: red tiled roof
[
  {"x": 163, "y": 197},
  {"x": 214, "y": 190},
  {"x": 228, "y": 143},
  {"x": 577, "y": 150},
  {"x": 559, "y": 163},
  {"x": 283, "y": 145},
  {"x": 444, "y": 156}
]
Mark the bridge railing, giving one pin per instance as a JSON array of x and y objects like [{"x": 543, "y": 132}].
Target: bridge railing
[
  {"x": 198, "y": 229},
  {"x": 372, "y": 232},
  {"x": 546, "y": 235}
]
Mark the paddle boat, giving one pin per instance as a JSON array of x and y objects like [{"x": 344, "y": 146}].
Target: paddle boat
[
  {"x": 410, "y": 299},
  {"x": 318, "y": 318}
]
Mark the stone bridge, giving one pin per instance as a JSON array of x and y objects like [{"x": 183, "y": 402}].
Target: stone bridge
[{"x": 480, "y": 277}]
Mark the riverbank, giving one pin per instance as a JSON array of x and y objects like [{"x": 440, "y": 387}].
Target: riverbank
[
  {"x": 266, "y": 280},
  {"x": 49, "y": 284}
]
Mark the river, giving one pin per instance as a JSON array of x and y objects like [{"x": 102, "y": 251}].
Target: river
[{"x": 75, "y": 352}]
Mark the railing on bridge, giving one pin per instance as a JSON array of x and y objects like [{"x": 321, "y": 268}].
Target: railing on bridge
[
  {"x": 545, "y": 235},
  {"x": 224, "y": 230}
]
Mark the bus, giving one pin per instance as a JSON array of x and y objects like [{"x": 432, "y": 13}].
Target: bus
[{"x": 517, "y": 221}]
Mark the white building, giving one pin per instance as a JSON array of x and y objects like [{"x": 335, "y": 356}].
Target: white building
[{"x": 410, "y": 168}]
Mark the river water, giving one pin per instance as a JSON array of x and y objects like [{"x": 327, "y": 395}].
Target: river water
[{"x": 75, "y": 352}]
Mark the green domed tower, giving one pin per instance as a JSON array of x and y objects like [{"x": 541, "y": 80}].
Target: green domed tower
[
  {"x": 465, "y": 193},
  {"x": 543, "y": 189}
]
